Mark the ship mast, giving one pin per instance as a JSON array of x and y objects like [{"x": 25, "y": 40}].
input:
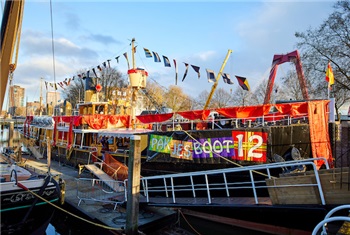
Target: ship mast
[
  {"x": 217, "y": 80},
  {"x": 138, "y": 78},
  {"x": 133, "y": 53},
  {"x": 41, "y": 97}
]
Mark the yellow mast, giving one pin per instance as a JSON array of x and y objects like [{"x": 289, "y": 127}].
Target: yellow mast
[
  {"x": 10, "y": 38},
  {"x": 217, "y": 80}
]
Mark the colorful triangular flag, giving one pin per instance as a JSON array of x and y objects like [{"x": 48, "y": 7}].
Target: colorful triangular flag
[
  {"x": 226, "y": 78},
  {"x": 127, "y": 60},
  {"x": 93, "y": 70},
  {"x": 185, "y": 74},
  {"x": 147, "y": 53},
  {"x": 211, "y": 75},
  {"x": 243, "y": 82},
  {"x": 156, "y": 57},
  {"x": 196, "y": 68},
  {"x": 166, "y": 61},
  {"x": 176, "y": 71}
]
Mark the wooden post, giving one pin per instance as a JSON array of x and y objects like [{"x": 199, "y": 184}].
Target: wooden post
[
  {"x": 11, "y": 134},
  {"x": 133, "y": 187},
  {"x": 48, "y": 147}
]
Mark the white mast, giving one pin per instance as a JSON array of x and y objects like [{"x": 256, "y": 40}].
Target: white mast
[{"x": 41, "y": 97}]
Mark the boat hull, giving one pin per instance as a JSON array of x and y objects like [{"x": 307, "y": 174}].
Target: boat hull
[{"x": 22, "y": 212}]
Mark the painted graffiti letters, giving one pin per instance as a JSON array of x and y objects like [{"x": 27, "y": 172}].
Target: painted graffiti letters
[
  {"x": 250, "y": 146},
  {"x": 159, "y": 143},
  {"x": 236, "y": 145},
  {"x": 181, "y": 149}
]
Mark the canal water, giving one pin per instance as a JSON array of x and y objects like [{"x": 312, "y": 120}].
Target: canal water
[{"x": 64, "y": 224}]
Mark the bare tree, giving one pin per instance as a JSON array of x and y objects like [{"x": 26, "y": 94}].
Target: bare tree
[
  {"x": 74, "y": 92},
  {"x": 258, "y": 95},
  {"x": 242, "y": 97},
  {"x": 109, "y": 78},
  {"x": 330, "y": 42},
  {"x": 221, "y": 98},
  {"x": 177, "y": 100},
  {"x": 153, "y": 96},
  {"x": 290, "y": 89},
  {"x": 201, "y": 99}
]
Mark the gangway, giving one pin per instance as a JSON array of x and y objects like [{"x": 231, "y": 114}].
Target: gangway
[
  {"x": 104, "y": 189},
  {"x": 96, "y": 170}
]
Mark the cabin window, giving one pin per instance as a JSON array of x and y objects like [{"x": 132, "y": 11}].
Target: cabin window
[{"x": 78, "y": 139}]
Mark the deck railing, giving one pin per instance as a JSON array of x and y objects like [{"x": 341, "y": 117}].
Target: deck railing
[
  {"x": 224, "y": 182},
  {"x": 328, "y": 219}
]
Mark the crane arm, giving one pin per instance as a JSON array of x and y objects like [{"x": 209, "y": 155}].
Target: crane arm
[
  {"x": 10, "y": 37},
  {"x": 280, "y": 59},
  {"x": 217, "y": 80}
]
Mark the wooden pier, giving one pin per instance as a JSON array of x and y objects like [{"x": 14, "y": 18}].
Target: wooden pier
[{"x": 91, "y": 208}]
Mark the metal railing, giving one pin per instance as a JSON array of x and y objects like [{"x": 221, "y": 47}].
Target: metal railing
[
  {"x": 106, "y": 191},
  {"x": 328, "y": 219},
  {"x": 201, "y": 182}
]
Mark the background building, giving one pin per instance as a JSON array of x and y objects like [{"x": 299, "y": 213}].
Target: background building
[{"x": 16, "y": 100}]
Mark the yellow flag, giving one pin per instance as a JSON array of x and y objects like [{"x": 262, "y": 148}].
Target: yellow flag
[{"x": 329, "y": 75}]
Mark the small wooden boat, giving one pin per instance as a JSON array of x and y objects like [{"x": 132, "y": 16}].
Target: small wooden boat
[{"x": 26, "y": 198}]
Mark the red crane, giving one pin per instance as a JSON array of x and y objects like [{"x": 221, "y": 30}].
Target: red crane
[{"x": 279, "y": 59}]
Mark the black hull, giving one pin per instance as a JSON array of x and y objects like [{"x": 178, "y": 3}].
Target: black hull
[
  {"x": 22, "y": 212},
  {"x": 293, "y": 217},
  {"x": 35, "y": 223},
  {"x": 18, "y": 199}
]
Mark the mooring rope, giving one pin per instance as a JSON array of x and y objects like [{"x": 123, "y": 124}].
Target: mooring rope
[
  {"x": 65, "y": 211},
  {"x": 183, "y": 216}
]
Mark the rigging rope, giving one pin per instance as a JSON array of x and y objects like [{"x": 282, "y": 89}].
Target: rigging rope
[{"x": 53, "y": 56}]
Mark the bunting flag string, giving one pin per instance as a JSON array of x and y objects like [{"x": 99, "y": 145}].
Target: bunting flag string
[
  {"x": 185, "y": 74},
  {"x": 226, "y": 78},
  {"x": 149, "y": 54},
  {"x": 176, "y": 71},
  {"x": 211, "y": 75},
  {"x": 196, "y": 68},
  {"x": 243, "y": 82}
]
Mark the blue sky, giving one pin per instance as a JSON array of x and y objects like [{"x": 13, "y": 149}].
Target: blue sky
[{"x": 87, "y": 33}]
